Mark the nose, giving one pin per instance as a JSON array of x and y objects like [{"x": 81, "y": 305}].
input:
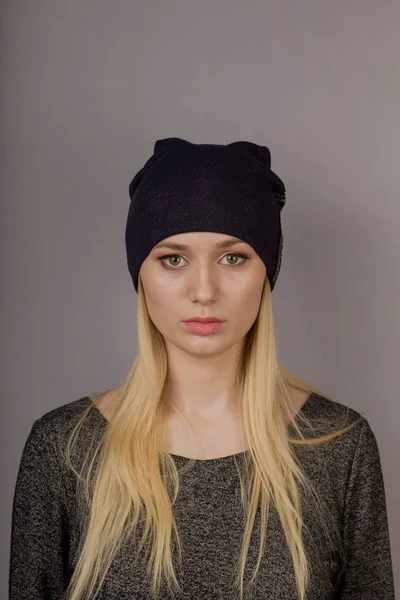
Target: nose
[{"x": 203, "y": 284}]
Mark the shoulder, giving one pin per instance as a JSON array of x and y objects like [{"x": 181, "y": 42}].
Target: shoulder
[
  {"x": 63, "y": 414},
  {"x": 51, "y": 428},
  {"x": 321, "y": 407},
  {"x": 40, "y": 476},
  {"x": 327, "y": 416},
  {"x": 46, "y": 443},
  {"x": 329, "y": 413},
  {"x": 348, "y": 454}
]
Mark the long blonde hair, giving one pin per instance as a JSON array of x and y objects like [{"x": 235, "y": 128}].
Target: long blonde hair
[{"x": 130, "y": 487}]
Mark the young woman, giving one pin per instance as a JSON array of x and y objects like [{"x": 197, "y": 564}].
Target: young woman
[{"x": 211, "y": 472}]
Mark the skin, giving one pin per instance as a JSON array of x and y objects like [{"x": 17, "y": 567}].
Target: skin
[{"x": 203, "y": 280}]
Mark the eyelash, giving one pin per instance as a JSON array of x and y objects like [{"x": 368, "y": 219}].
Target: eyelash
[{"x": 163, "y": 258}]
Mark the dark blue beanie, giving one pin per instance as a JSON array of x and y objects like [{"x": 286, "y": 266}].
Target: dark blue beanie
[{"x": 206, "y": 187}]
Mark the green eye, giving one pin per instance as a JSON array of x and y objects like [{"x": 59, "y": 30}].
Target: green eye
[
  {"x": 236, "y": 254},
  {"x": 178, "y": 256},
  {"x": 163, "y": 258}
]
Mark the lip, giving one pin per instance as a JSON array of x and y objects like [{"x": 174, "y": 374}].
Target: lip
[
  {"x": 201, "y": 328},
  {"x": 203, "y": 320}
]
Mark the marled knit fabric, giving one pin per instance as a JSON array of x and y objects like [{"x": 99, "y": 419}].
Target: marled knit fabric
[{"x": 47, "y": 520}]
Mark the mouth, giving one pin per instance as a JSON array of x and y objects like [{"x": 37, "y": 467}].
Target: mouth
[
  {"x": 203, "y": 320},
  {"x": 203, "y": 328}
]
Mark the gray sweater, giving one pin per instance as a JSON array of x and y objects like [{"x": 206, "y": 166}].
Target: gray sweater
[{"x": 47, "y": 520}]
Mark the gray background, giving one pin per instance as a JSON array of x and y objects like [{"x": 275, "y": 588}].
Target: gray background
[{"x": 87, "y": 87}]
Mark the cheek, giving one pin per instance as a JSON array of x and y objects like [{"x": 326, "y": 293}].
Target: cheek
[
  {"x": 246, "y": 307},
  {"x": 162, "y": 308},
  {"x": 248, "y": 310}
]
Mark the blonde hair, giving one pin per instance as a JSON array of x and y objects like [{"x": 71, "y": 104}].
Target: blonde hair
[{"x": 129, "y": 487}]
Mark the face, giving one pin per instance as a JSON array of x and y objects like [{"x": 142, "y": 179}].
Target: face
[{"x": 203, "y": 274}]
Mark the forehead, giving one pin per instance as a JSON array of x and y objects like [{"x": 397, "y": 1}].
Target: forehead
[{"x": 199, "y": 239}]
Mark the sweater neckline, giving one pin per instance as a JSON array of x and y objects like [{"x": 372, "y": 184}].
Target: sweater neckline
[{"x": 184, "y": 459}]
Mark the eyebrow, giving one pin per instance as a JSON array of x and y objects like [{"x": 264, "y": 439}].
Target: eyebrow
[{"x": 175, "y": 246}]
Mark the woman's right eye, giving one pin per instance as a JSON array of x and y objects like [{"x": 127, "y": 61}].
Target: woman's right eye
[{"x": 164, "y": 258}]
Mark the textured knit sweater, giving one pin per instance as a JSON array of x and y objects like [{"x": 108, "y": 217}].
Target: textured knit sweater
[{"x": 346, "y": 472}]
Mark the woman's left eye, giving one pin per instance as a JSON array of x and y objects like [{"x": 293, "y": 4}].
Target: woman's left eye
[
  {"x": 235, "y": 254},
  {"x": 239, "y": 255}
]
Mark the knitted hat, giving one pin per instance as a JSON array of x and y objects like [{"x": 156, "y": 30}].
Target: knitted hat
[{"x": 225, "y": 188}]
